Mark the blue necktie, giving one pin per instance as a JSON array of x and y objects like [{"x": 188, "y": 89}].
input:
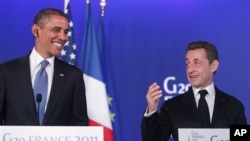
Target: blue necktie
[
  {"x": 40, "y": 89},
  {"x": 203, "y": 110}
]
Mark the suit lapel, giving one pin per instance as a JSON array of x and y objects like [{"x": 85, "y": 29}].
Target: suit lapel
[
  {"x": 189, "y": 101},
  {"x": 24, "y": 81},
  {"x": 219, "y": 103},
  {"x": 56, "y": 89}
]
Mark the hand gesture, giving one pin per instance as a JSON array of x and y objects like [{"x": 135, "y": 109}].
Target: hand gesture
[{"x": 153, "y": 97}]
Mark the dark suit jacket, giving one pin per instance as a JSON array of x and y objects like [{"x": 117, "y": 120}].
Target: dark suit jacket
[
  {"x": 67, "y": 101},
  {"x": 181, "y": 112}
]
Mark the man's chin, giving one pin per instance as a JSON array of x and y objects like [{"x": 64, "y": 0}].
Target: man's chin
[
  {"x": 194, "y": 84},
  {"x": 56, "y": 54}
]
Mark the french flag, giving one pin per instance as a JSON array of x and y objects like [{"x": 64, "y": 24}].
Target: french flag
[{"x": 96, "y": 94}]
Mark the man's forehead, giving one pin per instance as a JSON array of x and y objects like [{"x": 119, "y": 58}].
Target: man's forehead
[
  {"x": 54, "y": 19},
  {"x": 56, "y": 23}
]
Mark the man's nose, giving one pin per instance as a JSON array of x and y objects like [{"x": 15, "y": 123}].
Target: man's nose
[
  {"x": 62, "y": 36},
  {"x": 190, "y": 68}
]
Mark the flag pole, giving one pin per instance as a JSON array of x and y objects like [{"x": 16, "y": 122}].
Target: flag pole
[
  {"x": 66, "y": 2},
  {"x": 102, "y": 4},
  {"x": 69, "y": 53}
]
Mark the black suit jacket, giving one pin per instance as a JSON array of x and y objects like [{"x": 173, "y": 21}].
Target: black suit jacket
[
  {"x": 181, "y": 112},
  {"x": 67, "y": 101}
]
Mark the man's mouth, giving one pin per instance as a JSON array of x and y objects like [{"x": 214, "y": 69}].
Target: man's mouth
[{"x": 58, "y": 45}]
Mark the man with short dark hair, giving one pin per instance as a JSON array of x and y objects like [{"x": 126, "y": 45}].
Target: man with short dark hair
[
  {"x": 202, "y": 106},
  {"x": 51, "y": 94}
]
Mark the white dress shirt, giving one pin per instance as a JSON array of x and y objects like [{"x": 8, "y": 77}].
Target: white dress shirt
[
  {"x": 35, "y": 59},
  {"x": 210, "y": 98}
]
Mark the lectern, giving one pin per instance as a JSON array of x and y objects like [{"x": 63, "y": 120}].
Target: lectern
[
  {"x": 51, "y": 133},
  {"x": 204, "y": 134}
]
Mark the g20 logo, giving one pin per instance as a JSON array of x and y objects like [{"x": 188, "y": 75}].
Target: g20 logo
[{"x": 171, "y": 86}]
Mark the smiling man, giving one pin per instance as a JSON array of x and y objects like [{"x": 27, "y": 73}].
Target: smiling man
[
  {"x": 38, "y": 88},
  {"x": 202, "y": 106}
]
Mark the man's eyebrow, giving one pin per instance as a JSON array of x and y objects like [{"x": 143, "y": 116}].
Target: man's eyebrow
[
  {"x": 59, "y": 28},
  {"x": 196, "y": 59},
  {"x": 56, "y": 27}
]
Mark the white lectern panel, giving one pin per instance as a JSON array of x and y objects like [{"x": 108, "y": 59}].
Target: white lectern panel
[
  {"x": 51, "y": 133},
  {"x": 203, "y": 134}
]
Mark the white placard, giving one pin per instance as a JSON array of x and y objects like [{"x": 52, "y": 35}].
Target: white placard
[
  {"x": 51, "y": 133},
  {"x": 203, "y": 134}
]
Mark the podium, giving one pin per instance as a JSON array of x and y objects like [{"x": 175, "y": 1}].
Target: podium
[
  {"x": 51, "y": 133},
  {"x": 204, "y": 134}
]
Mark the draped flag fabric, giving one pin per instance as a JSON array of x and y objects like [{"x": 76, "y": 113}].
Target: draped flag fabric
[
  {"x": 107, "y": 76},
  {"x": 69, "y": 52},
  {"x": 90, "y": 63}
]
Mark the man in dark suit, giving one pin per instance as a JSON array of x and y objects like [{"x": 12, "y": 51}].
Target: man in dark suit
[
  {"x": 182, "y": 111},
  {"x": 65, "y": 100}
]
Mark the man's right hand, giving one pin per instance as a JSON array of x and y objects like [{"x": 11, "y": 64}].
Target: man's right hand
[{"x": 153, "y": 97}]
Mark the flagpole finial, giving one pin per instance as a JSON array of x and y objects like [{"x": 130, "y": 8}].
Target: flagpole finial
[
  {"x": 102, "y": 4},
  {"x": 66, "y": 2}
]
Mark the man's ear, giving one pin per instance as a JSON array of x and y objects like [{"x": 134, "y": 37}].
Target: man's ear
[
  {"x": 34, "y": 30},
  {"x": 215, "y": 65}
]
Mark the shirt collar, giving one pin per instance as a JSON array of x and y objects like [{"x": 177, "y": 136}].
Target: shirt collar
[
  {"x": 36, "y": 59},
  {"x": 210, "y": 89}
]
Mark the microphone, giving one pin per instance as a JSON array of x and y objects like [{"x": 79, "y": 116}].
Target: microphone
[{"x": 38, "y": 100}]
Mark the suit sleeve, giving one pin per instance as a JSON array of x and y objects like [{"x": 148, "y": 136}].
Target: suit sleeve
[
  {"x": 156, "y": 127},
  {"x": 79, "y": 108},
  {"x": 2, "y": 97},
  {"x": 149, "y": 128},
  {"x": 239, "y": 114}
]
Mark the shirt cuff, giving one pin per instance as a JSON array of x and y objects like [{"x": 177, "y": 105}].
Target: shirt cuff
[{"x": 149, "y": 114}]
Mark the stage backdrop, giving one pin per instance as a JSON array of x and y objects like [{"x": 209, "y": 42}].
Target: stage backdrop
[{"x": 146, "y": 42}]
